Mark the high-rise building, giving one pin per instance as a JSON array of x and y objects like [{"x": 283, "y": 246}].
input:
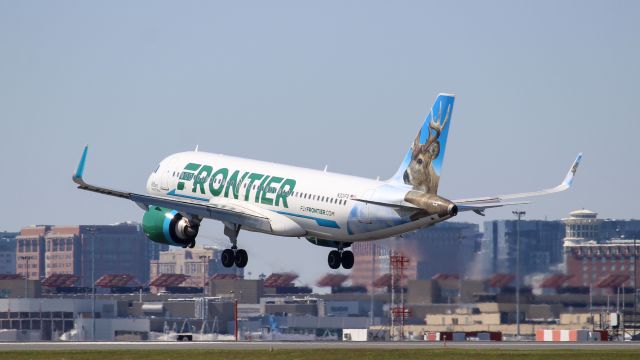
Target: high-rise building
[
  {"x": 592, "y": 264},
  {"x": 447, "y": 247},
  {"x": 30, "y": 251},
  {"x": 582, "y": 226},
  {"x": 88, "y": 251},
  {"x": 371, "y": 262},
  {"x": 599, "y": 253},
  {"x": 8, "y": 252},
  {"x": 540, "y": 246},
  {"x": 619, "y": 229},
  {"x": 121, "y": 248}
]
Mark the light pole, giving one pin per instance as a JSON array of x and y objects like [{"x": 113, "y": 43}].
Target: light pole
[
  {"x": 635, "y": 287},
  {"x": 519, "y": 214},
  {"x": 91, "y": 230},
  {"x": 204, "y": 259},
  {"x": 235, "y": 312},
  {"x": 26, "y": 278}
]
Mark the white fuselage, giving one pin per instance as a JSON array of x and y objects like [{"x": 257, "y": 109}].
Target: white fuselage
[{"x": 322, "y": 203}]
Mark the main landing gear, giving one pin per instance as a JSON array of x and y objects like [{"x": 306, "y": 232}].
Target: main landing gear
[
  {"x": 232, "y": 256},
  {"x": 189, "y": 245},
  {"x": 340, "y": 257}
]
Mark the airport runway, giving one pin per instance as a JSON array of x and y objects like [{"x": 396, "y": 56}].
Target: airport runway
[{"x": 263, "y": 345}]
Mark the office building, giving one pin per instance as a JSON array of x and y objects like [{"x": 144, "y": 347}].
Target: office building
[
  {"x": 540, "y": 247},
  {"x": 88, "y": 251},
  {"x": 447, "y": 247},
  {"x": 8, "y": 252}
]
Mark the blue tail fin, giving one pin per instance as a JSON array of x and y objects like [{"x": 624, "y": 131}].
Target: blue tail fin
[{"x": 422, "y": 164}]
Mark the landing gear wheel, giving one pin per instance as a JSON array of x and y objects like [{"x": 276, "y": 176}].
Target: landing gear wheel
[
  {"x": 241, "y": 258},
  {"x": 192, "y": 244},
  {"x": 334, "y": 259},
  {"x": 227, "y": 258},
  {"x": 347, "y": 259}
]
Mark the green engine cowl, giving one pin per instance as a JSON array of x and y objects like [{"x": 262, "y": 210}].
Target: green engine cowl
[{"x": 166, "y": 226}]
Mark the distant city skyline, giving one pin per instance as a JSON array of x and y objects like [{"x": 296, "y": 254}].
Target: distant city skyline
[{"x": 313, "y": 84}]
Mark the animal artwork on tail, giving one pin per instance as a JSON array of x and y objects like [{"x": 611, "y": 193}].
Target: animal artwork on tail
[
  {"x": 422, "y": 164},
  {"x": 421, "y": 172}
]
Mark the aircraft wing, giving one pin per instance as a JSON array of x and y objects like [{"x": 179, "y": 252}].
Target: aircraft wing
[
  {"x": 224, "y": 211},
  {"x": 478, "y": 205}
]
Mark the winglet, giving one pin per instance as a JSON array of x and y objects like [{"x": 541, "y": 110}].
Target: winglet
[
  {"x": 568, "y": 180},
  {"x": 77, "y": 176}
]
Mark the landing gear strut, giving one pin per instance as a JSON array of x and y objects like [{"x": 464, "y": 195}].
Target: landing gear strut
[
  {"x": 340, "y": 257},
  {"x": 232, "y": 256}
]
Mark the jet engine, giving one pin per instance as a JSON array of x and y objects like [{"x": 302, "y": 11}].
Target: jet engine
[{"x": 168, "y": 226}]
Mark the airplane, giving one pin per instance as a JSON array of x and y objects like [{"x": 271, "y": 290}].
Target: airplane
[{"x": 327, "y": 209}]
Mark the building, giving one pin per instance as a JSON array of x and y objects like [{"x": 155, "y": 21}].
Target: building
[
  {"x": 245, "y": 291},
  {"x": 600, "y": 253},
  {"x": 585, "y": 226},
  {"x": 8, "y": 252},
  {"x": 15, "y": 286},
  {"x": 596, "y": 264},
  {"x": 582, "y": 226},
  {"x": 30, "y": 251},
  {"x": 88, "y": 251},
  {"x": 540, "y": 247},
  {"x": 619, "y": 229},
  {"x": 63, "y": 251},
  {"x": 198, "y": 263},
  {"x": 447, "y": 247}
]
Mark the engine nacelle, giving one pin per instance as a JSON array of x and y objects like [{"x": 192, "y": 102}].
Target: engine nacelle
[{"x": 168, "y": 226}]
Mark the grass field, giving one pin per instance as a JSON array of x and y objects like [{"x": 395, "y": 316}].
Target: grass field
[{"x": 337, "y": 354}]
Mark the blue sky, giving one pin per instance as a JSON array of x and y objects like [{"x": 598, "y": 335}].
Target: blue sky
[{"x": 340, "y": 83}]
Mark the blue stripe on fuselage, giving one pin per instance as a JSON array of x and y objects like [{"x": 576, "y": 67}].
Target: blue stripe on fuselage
[
  {"x": 321, "y": 222},
  {"x": 173, "y": 193}
]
